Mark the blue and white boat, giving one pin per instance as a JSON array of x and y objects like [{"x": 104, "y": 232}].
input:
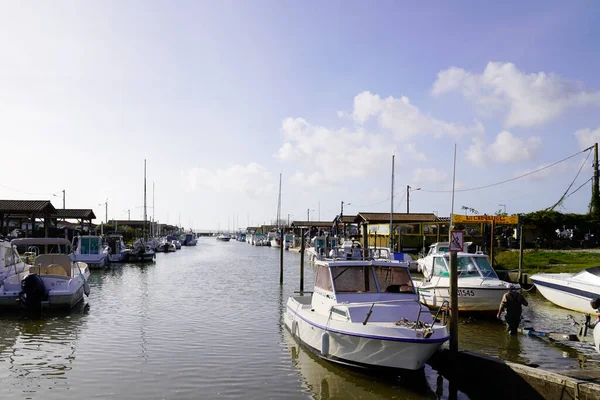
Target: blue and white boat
[
  {"x": 90, "y": 250},
  {"x": 365, "y": 313},
  {"x": 570, "y": 291}
]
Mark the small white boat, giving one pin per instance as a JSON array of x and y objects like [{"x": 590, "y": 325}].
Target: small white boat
[
  {"x": 275, "y": 242},
  {"x": 117, "y": 251},
  {"x": 479, "y": 288},
  {"x": 53, "y": 281},
  {"x": 365, "y": 313},
  {"x": 90, "y": 250},
  {"x": 223, "y": 237},
  {"x": 189, "y": 239},
  {"x": 570, "y": 291}
]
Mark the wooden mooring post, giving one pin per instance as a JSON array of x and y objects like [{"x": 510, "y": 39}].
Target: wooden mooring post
[
  {"x": 302, "y": 260},
  {"x": 521, "y": 241},
  {"x": 281, "y": 242}
]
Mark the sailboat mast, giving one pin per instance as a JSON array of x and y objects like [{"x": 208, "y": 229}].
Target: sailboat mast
[
  {"x": 279, "y": 203},
  {"x": 392, "y": 209},
  {"x": 152, "y": 233},
  {"x": 144, "y": 199}
]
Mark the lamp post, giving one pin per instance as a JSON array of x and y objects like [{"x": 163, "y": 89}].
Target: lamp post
[
  {"x": 341, "y": 215},
  {"x": 308, "y": 210},
  {"x": 503, "y": 205},
  {"x": 408, "y": 190}
]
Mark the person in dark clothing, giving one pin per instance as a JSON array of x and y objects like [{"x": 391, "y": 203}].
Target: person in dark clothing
[
  {"x": 595, "y": 304},
  {"x": 512, "y": 302}
]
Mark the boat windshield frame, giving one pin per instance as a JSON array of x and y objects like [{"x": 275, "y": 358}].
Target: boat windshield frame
[
  {"x": 471, "y": 268},
  {"x": 401, "y": 281}
]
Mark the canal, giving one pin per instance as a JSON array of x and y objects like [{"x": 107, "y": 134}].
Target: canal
[{"x": 205, "y": 322}]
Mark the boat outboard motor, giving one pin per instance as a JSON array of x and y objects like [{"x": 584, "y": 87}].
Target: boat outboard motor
[{"x": 33, "y": 292}]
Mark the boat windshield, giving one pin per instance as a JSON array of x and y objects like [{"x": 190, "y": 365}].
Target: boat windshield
[
  {"x": 485, "y": 267},
  {"x": 466, "y": 267},
  {"x": 89, "y": 245},
  {"x": 353, "y": 279},
  {"x": 394, "y": 280}
]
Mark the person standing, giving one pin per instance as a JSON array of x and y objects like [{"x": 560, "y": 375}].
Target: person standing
[{"x": 512, "y": 302}]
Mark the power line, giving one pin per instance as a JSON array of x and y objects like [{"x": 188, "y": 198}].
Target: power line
[
  {"x": 571, "y": 185},
  {"x": 29, "y": 193},
  {"x": 511, "y": 179},
  {"x": 575, "y": 191}
]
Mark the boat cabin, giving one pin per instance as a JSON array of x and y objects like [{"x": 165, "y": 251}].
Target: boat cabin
[
  {"x": 468, "y": 265},
  {"x": 87, "y": 245},
  {"x": 363, "y": 277}
]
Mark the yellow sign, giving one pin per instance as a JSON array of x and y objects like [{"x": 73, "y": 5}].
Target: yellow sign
[{"x": 476, "y": 219}]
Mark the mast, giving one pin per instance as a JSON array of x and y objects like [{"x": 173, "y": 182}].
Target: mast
[
  {"x": 144, "y": 200},
  {"x": 152, "y": 233},
  {"x": 392, "y": 209},
  {"x": 279, "y": 204}
]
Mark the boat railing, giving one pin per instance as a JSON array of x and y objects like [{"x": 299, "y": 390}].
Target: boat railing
[{"x": 418, "y": 324}]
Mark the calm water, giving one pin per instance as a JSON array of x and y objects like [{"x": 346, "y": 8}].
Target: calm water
[{"x": 205, "y": 322}]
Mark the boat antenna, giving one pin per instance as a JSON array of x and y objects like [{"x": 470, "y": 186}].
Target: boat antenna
[
  {"x": 392, "y": 209},
  {"x": 144, "y": 233}
]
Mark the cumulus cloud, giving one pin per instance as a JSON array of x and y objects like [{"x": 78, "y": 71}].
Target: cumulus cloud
[
  {"x": 587, "y": 137},
  {"x": 527, "y": 99},
  {"x": 568, "y": 166},
  {"x": 331, "y": 155},
  {"x": 404, "y": 119},
  {"x": 429, "y": 175},
  {"x": 252, "y": 179},
  {"x": 506, "y": 148}
]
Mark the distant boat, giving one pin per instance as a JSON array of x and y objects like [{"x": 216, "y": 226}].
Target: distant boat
[
  {"x": 90, "y": 250},
  {"x": 117, "y": 251},
  {"x": 189, "y": 240},
  {"x": 224, "y": 237}
]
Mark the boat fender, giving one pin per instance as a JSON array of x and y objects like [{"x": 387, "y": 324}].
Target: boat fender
[
  {"x": 294, "y": 328},
  {"x": 33, "y": 291},
  {"x": 324, "y": 344}
]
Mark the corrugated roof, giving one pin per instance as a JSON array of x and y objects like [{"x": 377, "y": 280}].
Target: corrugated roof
[
  {"x": 381, "y": 218},
  {"x": 312, "y": 224},
  {"x": 26, "y": 206},
  {"x": 77, "y": 213}
]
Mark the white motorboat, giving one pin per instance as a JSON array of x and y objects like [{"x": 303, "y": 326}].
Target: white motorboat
[
  {"x": 275, "y": 242},
  {"x": 570, "y": 291},
  {"x": 90, "y": 250},
  {"x": 223, "y": 237},
  {"x": 117, "y": 251},
  {"x": 479, "y": 288},
  {"x": 10, "y": 261},
  {"x": 365, "y": 313},
  {"x": 53, "y": 281},
  {"x": 141, "y": 252}
]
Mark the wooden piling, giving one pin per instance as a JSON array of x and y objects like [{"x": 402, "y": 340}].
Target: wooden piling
[
  {"x": 492, "y": 236},
  {"x": 281, "y": 242},
  {"x": 453, "y": 308},
  {"x": 365, "y": 240},
  {"x": 520, "y": 255},
  {"x": 302, "y": 246}
]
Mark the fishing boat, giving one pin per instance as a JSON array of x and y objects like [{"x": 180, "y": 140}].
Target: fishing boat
[
  {"x": 479, "y": 288},
  {"x": 117, "y": 251},
  {"x": 141, "y": 252},
  {"x": 53, "y": 281},
  {"x": 570, "y": 291},
  {"x": 189, "y": 239},
  {"x": 223, "y": 237},
  {"x": 365, "y": 313},
  {"x": 90, "y": 250}
]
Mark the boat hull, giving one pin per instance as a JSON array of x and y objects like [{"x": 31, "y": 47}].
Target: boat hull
[
  {"x": 569, "y": 295},
  {"x": 470, "y": 299},
  {"x": 372, "y": 352}
]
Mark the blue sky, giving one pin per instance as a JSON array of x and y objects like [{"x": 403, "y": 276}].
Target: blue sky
[{"x": 221, "y": 97}]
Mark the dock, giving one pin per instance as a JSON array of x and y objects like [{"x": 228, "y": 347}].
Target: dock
[{"x": 506, "y": 380}]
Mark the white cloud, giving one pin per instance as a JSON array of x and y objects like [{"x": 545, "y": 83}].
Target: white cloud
[
  {"x": 252, "y": 179},
  {"x": 411, "y": 151},
  {"x": 527, "y": 99},
  {"x": 569, "y": 166},
  {"x": 404, "y": 119},
  {"x": 429, "y": 175},
  {"x": 330, "y": 156},
  {"x": 506, "y": 148},
  {"x": 509, "y": 148},
  {"x": 587, "y": 137}
]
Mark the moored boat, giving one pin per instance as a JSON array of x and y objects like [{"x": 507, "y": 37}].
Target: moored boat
[
  {"x": 365, "y": 313},
  {"x": 90, "y": 250},
  {"x": 117, "y": 251},
  {"x": 568, "y": 290},
  {"x": 479, "y": 288},
  {"x": 223, "y": 237}
]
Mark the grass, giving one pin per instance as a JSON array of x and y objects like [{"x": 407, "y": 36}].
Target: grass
[{"x": 547, "y": 261}]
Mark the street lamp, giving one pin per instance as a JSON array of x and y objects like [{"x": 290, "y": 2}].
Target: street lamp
[
  {"x": 308, "y": 210},
  {"x": 503, "y": 205},
  {"x": 408, "y": 190}
]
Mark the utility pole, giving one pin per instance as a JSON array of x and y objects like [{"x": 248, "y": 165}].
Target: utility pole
[
  {"x": 392, "y": 209},
  {"x": 308, "y": 214},
  {"x": 63, "y": 199},
  {"x": 595, "y": 203},
  {"x": 106, "y": 212},
  {"x": 129, "y": 215},
  {"x": 407, "y": 199}
]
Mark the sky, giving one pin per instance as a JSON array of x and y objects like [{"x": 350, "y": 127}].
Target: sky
[{"x": 220, "y": 98}]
